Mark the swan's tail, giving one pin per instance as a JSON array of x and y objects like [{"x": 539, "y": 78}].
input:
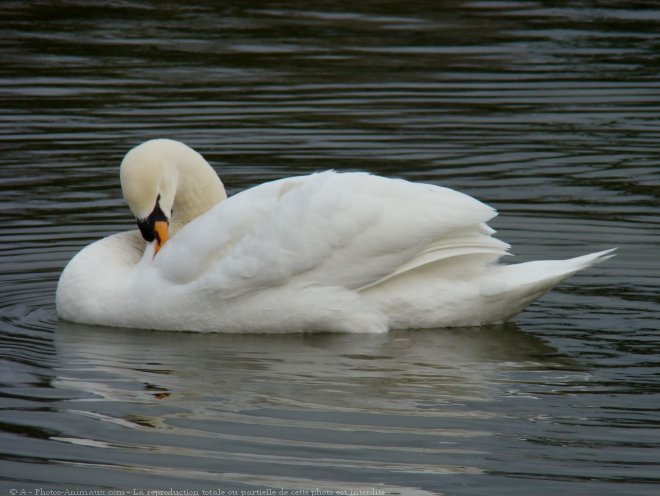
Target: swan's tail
[
  {"x": 449, "y": 293},
  {"x": 523, "y": 283}
]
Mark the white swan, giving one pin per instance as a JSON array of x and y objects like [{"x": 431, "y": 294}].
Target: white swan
[{"x": 331, "y": 251}]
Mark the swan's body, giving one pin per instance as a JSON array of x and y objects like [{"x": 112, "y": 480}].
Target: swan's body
[{"x": 345, "y": 252}]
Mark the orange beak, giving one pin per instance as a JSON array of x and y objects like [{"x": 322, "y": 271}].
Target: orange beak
[{"x": 162, "y": 234}]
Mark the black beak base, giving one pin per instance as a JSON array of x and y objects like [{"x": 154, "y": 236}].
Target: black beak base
[{"x": 147, "y": 225}]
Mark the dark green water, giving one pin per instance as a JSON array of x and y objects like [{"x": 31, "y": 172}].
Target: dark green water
[{"x": 549, "y": 111}]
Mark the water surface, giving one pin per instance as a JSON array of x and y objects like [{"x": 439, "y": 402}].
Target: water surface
[{"x": 548, "y": 112}]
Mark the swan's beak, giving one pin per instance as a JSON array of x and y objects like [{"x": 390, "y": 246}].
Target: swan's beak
[
  {"x": 154, "y": 228},
  {"x": 162, "y": 234}
]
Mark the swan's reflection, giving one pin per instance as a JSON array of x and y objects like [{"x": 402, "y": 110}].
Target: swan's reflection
[
  {"x": 390, "y": 372},
  {"x": 405, "y": 402}
]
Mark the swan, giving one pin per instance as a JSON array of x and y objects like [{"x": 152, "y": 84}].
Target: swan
[{"x": 344, "y": 252}]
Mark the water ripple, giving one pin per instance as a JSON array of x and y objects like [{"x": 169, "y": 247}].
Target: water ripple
[{"x": 548, "y": 113}]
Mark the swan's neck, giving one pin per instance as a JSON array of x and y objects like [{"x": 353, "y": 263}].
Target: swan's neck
[
  {"x": 172, "y": 176},
  {"x": 198, "y": 189}
]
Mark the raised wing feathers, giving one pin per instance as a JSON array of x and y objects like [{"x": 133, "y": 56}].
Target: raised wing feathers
[{"x": 352, "y": 230}]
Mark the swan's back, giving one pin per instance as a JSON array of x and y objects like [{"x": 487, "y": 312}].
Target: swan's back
[{"x": 351, "y": 230}]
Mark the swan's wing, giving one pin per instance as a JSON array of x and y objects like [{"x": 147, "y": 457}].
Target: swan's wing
[{"x": 351, "y": 230}]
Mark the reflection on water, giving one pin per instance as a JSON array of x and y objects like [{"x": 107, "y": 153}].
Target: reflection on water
[
  {"x": 267, "y": 402},
  {"x": 324, "y": 371},
  {"x": 548, "y": 112}
]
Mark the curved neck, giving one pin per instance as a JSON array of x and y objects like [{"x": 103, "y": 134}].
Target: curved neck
[
  {"x": 169, "y": 175},
  {"x": 198, "y": 189}
]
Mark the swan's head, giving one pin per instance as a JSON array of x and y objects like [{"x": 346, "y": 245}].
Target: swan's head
[{"x": 166, "y": 184}]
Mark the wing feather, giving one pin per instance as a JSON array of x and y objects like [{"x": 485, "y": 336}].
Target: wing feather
[{"x": 352, "y": 230}]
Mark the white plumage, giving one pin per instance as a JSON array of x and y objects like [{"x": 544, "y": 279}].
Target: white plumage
[{"x": 347, "y": 252}]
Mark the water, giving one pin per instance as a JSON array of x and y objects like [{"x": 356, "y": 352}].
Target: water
[{"x": 547, "y": 111}]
